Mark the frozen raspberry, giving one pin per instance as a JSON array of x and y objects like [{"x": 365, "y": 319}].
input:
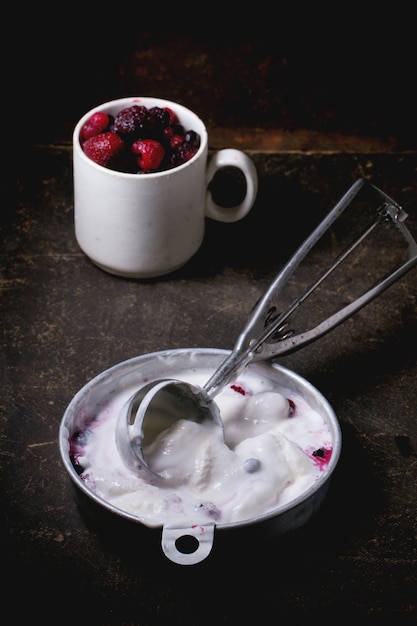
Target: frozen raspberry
[
  {"x": 131, "y": 122},
  {"x": 149, "y": 154},
  {"x": 104, "y": 149},
  {"x": 95, "y": 125}
]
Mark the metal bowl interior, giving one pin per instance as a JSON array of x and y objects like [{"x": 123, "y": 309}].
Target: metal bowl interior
[{"x": 165, "y": 364}]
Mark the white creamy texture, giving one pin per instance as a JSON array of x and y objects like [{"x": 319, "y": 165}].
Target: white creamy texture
[{"x": 265, "y": 461}]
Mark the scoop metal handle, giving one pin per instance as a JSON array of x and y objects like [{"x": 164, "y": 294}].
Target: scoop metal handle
[{"x": 264, "y": 324}]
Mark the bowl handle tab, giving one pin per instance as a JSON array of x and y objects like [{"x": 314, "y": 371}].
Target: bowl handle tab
[{"x": 187, "y": 546}]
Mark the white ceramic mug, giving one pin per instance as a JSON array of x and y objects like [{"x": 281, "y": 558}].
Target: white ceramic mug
[{"x": 147, "y": 225}]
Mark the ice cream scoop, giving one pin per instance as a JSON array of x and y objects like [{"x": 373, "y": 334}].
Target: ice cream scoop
[{"x": 159, "y": 404}]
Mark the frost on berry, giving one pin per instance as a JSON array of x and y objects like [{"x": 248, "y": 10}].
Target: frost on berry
[
  {"x": 104, "y": 149},
  {"x": 131, "y": 122}
]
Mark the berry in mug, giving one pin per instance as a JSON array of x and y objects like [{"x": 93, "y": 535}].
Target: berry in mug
[{"x": 138, "y": 140}]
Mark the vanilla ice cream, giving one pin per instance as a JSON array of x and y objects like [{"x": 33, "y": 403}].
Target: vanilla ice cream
[{"x": 275, "y": 447}]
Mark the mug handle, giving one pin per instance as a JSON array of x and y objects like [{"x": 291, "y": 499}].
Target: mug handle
[{"x": 229, "y": 157}]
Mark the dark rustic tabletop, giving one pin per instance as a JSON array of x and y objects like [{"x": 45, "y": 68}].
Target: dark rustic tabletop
[{"x": 64, "y": 321}]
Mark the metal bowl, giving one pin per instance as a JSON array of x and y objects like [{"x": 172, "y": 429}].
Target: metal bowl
[{"x": 188, "y": 546}]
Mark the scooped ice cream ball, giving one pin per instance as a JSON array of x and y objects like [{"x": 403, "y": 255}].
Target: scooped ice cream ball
[{"x": 261, "y": 412}]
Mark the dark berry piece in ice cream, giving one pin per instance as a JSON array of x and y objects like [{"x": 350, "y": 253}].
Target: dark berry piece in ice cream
[
  {"x": 251, "y": 465},
  {"x": 149, "y": 154},
  {"x": 209, "y": 509},
  {"x": 291, "y": 408},
  {"x": 239, "y": 389},
  {"x": 320, "y": 452},
  {"x": 77, "y": 442},
  {"x": 104, "y": 149},
  {"x": 76, "y": 465},
  {"x": 96, "y": 124},
  {"x": 322, "y": 456}
]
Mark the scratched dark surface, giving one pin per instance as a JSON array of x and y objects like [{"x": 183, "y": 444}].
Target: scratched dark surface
[{"x": 64, "y": 321}]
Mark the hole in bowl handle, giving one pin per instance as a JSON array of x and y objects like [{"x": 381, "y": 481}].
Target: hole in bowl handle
[{"x": 188, "y": 546}]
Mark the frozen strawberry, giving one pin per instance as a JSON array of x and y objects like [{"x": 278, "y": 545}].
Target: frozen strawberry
[
  {"x": 149, "y": 154},
  {"x": 104, "y": 149}
]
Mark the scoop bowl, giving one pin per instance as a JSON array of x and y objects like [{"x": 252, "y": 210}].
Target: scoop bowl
[{"x": 164, "y": 403}]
